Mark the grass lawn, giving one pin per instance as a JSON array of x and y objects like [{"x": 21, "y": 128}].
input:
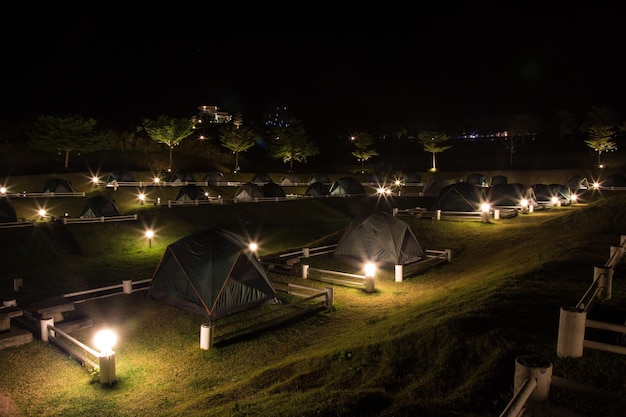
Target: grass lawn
[{"x": 441, "y": 343}]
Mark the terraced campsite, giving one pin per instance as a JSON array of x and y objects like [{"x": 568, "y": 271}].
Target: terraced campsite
[{"x": 442, "y": 342}]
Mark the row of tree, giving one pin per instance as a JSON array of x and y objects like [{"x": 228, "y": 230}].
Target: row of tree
[{"x": 288, "y": 140}]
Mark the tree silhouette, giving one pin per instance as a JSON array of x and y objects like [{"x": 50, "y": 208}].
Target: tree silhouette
[
  {"x": 434, "y": 142},
  {"x": 362, "y": 141},
  {"x": 74, "y": 133},
  {"x": 601, "y": 140},
  {"x": 237, "y": 138},
  {"x": 169, "y": 131},
  {"x": 290, "y": 142}
]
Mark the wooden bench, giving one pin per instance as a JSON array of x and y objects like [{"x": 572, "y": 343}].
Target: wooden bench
[
  {"x": 6, "y": 314},
  {"x": 53, "y": 309},
  {"x": 15, "y": 338}
]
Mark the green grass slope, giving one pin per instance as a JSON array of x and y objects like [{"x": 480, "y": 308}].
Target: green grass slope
[{"x": 442, "y": 343}]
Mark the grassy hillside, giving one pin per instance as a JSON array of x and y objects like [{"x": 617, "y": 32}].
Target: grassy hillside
[{"x": 442, "y": 343}]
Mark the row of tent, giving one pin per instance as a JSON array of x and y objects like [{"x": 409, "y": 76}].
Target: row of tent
[
  {"x": 343, "y": 186},
  {"x": 212, "y": 272},
  {"x": 466, "y": 197},
  {"x": 216, "y": 177},
  {"x": 96, "y": 206}
]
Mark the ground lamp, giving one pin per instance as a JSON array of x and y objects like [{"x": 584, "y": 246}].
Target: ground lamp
[
  {"x": 484, "y": 208},
  {"x": 3, "y": 190},
  {"x": 370, "y": 273},
  {"x": 142, "y": 198},
  {"x": 42, "y": 213},
  {"x": 150, "y": 235},
  {"x": 104, "y": 341}
]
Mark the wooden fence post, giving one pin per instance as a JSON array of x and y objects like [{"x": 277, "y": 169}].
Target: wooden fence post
[
  {"x": 330, "y": 297},
  {"x": 305, "y": 271},
  {"x": 45, "y": 332}
]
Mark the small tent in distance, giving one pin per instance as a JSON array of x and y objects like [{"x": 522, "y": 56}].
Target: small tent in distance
[
  {"x": 459, "y": 196},
  {"x": 271, "y": 189},
  {"x": 380, "y": 238},
  {"x": 179, "y": 177},
  {"x": 211, "y": 273},
  {"x": 290, "y": 179},
  {"x": 191, "y": 193},
  {"x": 261, "y": 178},
  {"x": 346, "y": 186},
  {"x": 249, "y": 191},
  {"x": 118, "y": 176},
  {"x": 319, "y": 177},
  {"x": 316, "y": 189},
  {"x": 214, "y": 178},
  {"x": 57, "y": 185},
  {"x": 100, "y": 206}
]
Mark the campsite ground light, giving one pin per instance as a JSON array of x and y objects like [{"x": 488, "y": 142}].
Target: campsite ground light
[
  {"x": 105, "y": 340},
  {"x": 150, "y": 235}
]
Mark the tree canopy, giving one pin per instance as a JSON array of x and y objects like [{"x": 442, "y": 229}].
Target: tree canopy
[
  {"x": 434, "y": 142},
  {"x": 291, "y": 143},
  {"x": 237, "y": 138},
  {"x": 66, "y": 134},
  {"x": 169, "y": 131},
  {"x": 362, "y": 142},
  {"x": 601, "y": 140}
]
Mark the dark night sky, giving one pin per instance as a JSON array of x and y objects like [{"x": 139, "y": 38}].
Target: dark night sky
[{"x": 339, "y": 74}]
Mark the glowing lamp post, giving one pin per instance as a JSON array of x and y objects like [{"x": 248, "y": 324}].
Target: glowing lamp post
[
  {"x": 42, "y": 213},
  {"x": 150, "y": 235},
  {"x": 370, "y": 273},
  {"x": 142, "y": 198},
  {"x": 3, "y": 190},
  {"x": 485, "y": 208},
  {"x": 104, "y": 341}
]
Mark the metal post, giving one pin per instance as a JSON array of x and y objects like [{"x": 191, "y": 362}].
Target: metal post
[
  {"x": 399, "y": 273},
  {"x": 206, "y": 336}
]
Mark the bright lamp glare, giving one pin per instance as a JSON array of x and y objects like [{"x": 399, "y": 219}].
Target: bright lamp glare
[
  {"x": 42, "y": 212},
  {"x": 253, "y": 246},
  {"x": 3, "y": 190},
  {"x": 554, "y": 200},
  {"x": 142, "y": 196},
  {"x": 574, "y": 197},
  {"x": 523, "y": 202},
  {"x": 484, "y": 207},
  {"x": 149, "y": 234},
  {"x": 596, "y": 185},
  {"x": 105, "y": 340},
  {"x": 156, "y": 180},
  {"x": 370, "y": 269}
]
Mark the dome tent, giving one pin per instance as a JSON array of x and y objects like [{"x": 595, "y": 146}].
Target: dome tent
[
  {"x": 345, "y": 186},
  {"x": 211, "y": 273},
  {"x": 57, "y": 185},
  {"x": 319, "y": 177},
  {"x": 316, "y": 189},
  {"x": 249, "y": 191},
  {"x": 271, "y": 189},
  {"x": 459, "y": 196},
  {"x": 380, "y": 238},
  {"x": 190, "y": 193},
  {"x": 100, "y": 206}
]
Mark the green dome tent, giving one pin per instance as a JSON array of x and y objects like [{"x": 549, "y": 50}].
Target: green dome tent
[
  {"x": 345, "y": 186},
  {"x": 380, "y": 238},
  {"x": 100, "y": 206},
  {"x": 211, "y": 273},
  {"x": 190, "y": 193},
  {"x": 57, "y": 185},
  {"x": 460, "y": 196}
]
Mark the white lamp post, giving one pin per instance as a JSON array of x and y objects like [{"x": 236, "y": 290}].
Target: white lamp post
[{"x": 104, "y": 341}]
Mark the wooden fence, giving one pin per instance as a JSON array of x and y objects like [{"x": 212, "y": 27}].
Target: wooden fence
[
  {"x": 534, "y": 379},
  {"x": 313, "y": 300}
]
